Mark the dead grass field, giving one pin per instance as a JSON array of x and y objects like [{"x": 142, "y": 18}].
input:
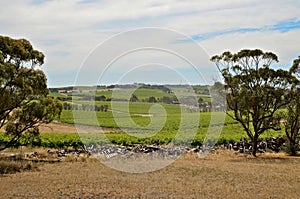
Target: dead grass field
[{"x": 224, "y": 174}]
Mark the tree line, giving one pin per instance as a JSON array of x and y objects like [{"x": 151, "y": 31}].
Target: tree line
[{"x": 85, "y": 107}]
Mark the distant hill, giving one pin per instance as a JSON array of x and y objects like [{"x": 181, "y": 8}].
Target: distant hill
[{"x": 133, "y": 92}]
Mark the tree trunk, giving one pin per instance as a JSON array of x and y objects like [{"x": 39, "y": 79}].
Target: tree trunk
[
  {"x": 254, "y": 142},
  {"x": 293, "y": 149}
]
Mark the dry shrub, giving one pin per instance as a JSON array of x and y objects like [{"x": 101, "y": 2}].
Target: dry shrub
[{"x": 9, "y": 167}]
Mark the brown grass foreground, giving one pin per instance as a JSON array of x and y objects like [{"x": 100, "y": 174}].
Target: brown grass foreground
[{"x": 224, "y": 174}]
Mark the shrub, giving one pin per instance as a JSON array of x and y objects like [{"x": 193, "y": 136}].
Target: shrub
[{"x": 9, "y": 167}]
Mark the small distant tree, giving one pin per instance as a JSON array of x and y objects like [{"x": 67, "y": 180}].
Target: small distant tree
[
  {"x": 167, "y": 100},
  {"x": 24, "y": 104},
  {"x": 292, "y": 114},
  {"x": 105, "y": 108},
  {"x": 133, "y": 98},
  {"x": 100, "y": 98},
  {"x": 253, "y": 90},
  {"x": 152, "y": 99},
  {"x": 200, "y": 100}
]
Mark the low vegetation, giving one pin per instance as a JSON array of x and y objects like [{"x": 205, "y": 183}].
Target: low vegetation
[{"x": 9, "y": 167}]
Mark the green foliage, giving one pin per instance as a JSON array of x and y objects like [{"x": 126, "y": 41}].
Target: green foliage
[
  {"x": 292, "y": 114},
  {"x": 230, "y": 133},
  {"x": 23, "y": 91},
  {"x": 254, "y": 91}
]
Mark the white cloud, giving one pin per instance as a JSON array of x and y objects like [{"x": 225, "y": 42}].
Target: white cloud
[
  {"x": 66, "y": 31},
  {"x": 285, "y": 45}
]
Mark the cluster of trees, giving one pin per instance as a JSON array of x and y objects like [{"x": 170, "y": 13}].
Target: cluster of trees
[
  {"x": 133, "y": 98},
  {"x": 201, "y": 89},
  {"x": 85, "y": 107},
  {"x": 95, "y": 98},
  {"x": 65, "y": 98},
  {"x": 153, "y": 99},
  {"x": 259, "y": 97}
]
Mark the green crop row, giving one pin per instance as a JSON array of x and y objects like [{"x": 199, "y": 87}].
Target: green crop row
[{"x": 73, "y": 140}]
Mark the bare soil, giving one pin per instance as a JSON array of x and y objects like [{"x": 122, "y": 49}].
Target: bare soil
[
  {"x": 58, "y": 127},
  {"x": 225, "y": 174}
]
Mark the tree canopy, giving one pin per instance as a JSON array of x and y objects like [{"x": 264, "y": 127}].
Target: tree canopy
[{"x": 23, "y": 91}]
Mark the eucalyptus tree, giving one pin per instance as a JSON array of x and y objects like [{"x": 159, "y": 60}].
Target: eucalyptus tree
[
  {"x": 292, "y": 113},
  {"x": 24, "y": 104},
  {"x": 254, "y": 90}
]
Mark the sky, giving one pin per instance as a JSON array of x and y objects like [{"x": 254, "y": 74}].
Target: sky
[{"x": 107, "y": 42}]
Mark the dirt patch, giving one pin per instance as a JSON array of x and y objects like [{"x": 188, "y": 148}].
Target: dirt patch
[
  {"x": 58, "y": 127},
  {"x": 144, "y": 115}
]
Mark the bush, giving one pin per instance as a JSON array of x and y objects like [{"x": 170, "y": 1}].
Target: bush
[
  {"x": 292, "y": 149},
  {"x": 9, "y": 167}
]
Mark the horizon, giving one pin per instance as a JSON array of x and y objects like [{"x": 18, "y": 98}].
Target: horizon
[{"x": 74, "y": 86}]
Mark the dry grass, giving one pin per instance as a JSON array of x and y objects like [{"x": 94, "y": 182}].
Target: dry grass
[
  {"x": 224, "y": 174},
  {"x": 9, "y": 167}
]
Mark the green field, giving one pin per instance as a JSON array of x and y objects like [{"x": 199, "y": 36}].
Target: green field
[
  {"x": 143, "y": 133},
  {"x": 142, "y": 122},
  {"x": 179, "y": 127}
]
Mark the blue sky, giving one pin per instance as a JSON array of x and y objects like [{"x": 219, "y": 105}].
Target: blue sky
[{"x": 69, "y": 31}]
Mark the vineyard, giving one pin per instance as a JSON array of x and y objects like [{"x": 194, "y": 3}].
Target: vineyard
[
  {"x": 138, "y": 123},
  {"x": 126, "y": 135}
]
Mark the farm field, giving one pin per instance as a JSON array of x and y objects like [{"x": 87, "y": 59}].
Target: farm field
[
  {"x": 224, "y": 174},
  {"x": 119, "y": 117},
  {"x": 64, "y": 133},
  {"x": 139, "y": 122}
]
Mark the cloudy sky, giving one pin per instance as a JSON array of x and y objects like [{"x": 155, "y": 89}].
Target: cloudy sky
[{"x": 97, "y": 40}]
